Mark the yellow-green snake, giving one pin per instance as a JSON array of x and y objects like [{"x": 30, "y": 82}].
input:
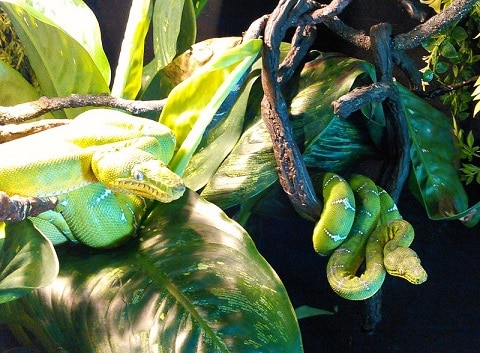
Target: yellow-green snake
[
  {"x": 103, "y": 167},
  {"x": 376, "y": 234}
]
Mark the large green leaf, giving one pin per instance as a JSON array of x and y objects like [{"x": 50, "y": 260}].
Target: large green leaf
[
  {"x": 166, "y": 28},
  {"x": 219, "y": 141},
  {"x": 434, "y": 158},
  {"x": 251, "y": 168},
  {"x": 193, "y": 283},
  {"x": 322, "y": 81},
  {"x": 248, "y": 170},
  {"x": 341, "y": 143},
  {"x": 193, "y": 103},
  {"x": 158, "y": 81},
  {"x": 332, "y": 143},
  {"x": 15, "y": 89},
  {"x": 171, "y": 37},
  {"x": 62, "y": 42},
  {"x": 27, "y": 261},
  {"x": 128, "y": 74},
  {"x": 188, "y": 28}
]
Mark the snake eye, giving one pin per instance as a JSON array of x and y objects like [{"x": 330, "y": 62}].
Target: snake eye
[{"x": 138, "y": 175}]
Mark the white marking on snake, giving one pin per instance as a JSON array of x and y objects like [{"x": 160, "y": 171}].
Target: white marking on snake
[
  {"x": 104, "y": 195},
  {"x": 346, "y": 203},
  {"x": 335, "y": 237}
]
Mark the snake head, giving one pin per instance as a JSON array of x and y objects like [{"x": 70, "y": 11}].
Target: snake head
[
  {"x": 138, "y": 172},
  {"x": 152, "y": 179},
  {"x": 404, "y": 262}
]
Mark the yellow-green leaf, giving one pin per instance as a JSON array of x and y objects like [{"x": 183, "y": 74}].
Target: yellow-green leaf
[{"x": 192, "y": 104}]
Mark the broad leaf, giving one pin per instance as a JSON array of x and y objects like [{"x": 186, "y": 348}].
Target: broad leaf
[
  {"x": 15, "y": 89},
  {"x": 219, "y": 141},
  {"x": 248, "y": 170},
  {"x": 434, "y": 158},
  {"x": 166, "y": 29},
  {"x": 192, "y": 104},
  {"x": 128, "y": 75},
  {"x": 76, "y": 62},
  {"x": 251, "y": 168},
  {"x": 322, "y": 81},
  {"x": 27, "y": 261},
  {"x": 332, "y": 143},
  {"x": 341, "y": 143},
  {"x": 193, "y": 283},
  {"x": 158, "y": 81},
  {"x": 171, "y": 37}
]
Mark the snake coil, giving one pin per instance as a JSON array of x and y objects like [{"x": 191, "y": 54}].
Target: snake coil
[{"x": 361, "y": 223}]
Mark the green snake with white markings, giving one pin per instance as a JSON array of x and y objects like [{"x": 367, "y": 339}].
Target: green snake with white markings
[
  {"x": 104, "y": 167},
  {"x": 375, "y": 234}
]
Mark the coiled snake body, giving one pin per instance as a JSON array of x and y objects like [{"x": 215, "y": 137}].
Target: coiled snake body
[
  {"x": 104, "y": 167},
  {"x": 378, "y": 235}
]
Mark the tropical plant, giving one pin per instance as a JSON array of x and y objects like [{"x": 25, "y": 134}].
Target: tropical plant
[
  {"x": 216, "y": 293},
  {"x": 193, "y": 279},
  {"x": 452, "y": 64}
]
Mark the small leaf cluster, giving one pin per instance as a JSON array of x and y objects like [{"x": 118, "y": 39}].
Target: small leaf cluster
[
  {"x": 452, "y": 59},
  {"x": 12, "y": 51},
  {"x": 469, "y": 152},
  {"x": 476, "y": 94}
]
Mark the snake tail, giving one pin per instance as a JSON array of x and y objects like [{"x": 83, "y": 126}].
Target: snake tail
[
  {"x": 345, "y": 261},
  {"x": 337, "y": 215}
]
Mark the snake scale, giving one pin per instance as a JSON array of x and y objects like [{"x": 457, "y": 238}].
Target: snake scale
[
  {"x": 104, "y": 167},
  {"x": 360, "y": 223}
]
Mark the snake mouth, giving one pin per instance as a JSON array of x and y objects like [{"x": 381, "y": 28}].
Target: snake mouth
[{"x": 162, "y": 192}]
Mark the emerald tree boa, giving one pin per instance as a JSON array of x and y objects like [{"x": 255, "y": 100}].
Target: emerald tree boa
[
  {"x": 360, "y": 223},
  {"x": 104, "y": 167}
]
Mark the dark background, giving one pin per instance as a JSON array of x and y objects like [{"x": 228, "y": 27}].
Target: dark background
[{"x": 441, "y": 315}]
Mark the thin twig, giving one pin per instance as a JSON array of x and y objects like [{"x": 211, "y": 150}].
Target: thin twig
[{"x": 449, "y": 88}]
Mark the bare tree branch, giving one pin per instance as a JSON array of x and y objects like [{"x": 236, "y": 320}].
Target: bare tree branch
[
  {"x": 452, "y": 14},
  {"x": 292, "y": 172},
  {"x": 11, "y": 132},
  {"x": 17, "y": 209},
  {"x": 26, "y": 111}
]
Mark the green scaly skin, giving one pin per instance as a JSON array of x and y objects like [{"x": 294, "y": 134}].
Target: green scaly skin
[
  {"x": 388, "y": 249},
  {"x": 344, "y": 262},
  {"x": 104, "y": 167},
  {"x": 378, "y": 235},
  {"x": 337, "y": 215},
  {"x": 397, "y": 234}
]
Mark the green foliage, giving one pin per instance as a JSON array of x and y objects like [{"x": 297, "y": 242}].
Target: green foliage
[
  {"x": 188, "y": 114},
  {"x": 12, "y": 53},
  {"x": 193, "y": 272},
  {"x": 194, "y": 282},
  {"x": 78, "y": 63},
  {"x": 27, "y": 261},
  {"x": 469, "y": 152},
  {"x": 194, "y": 277},
  {"x": 128, "y": 75},
  {"x": 453, "y": 59},
  {"x": 434, "y": 168}
]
